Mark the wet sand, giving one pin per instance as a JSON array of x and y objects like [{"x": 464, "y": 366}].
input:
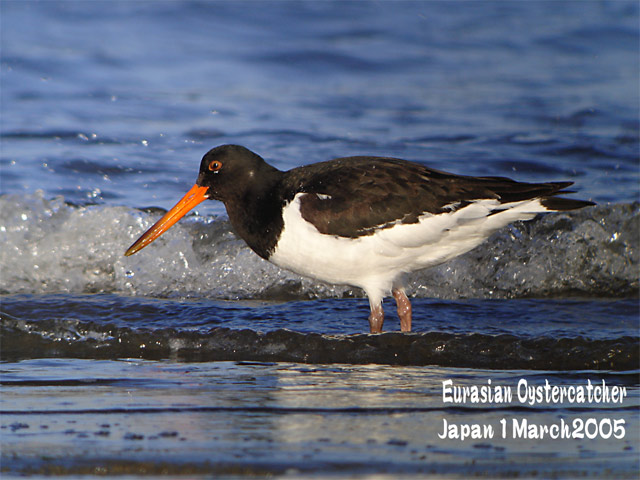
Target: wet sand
[{"x": 88, "y": 417}]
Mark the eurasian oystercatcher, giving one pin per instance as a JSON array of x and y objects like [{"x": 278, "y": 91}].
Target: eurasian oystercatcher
[{"x": 360, "y": 221}]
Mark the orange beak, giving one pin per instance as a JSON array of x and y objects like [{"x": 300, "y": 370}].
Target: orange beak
[{"x": 193, "y": 197}]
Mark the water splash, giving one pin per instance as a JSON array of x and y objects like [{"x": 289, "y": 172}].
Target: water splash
[{"x": 50, "y": 246}]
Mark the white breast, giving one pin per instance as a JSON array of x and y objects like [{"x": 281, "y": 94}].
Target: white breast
[{"x": 374, "y": 262}]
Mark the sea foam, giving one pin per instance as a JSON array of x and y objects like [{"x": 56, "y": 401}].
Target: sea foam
[{"x": 50, "y": 246}]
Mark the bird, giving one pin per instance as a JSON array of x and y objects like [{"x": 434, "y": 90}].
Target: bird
[{"x": 362, "y": 221}]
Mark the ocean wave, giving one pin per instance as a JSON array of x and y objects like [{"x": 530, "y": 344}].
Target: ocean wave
[
  {"x": 50, "y": 246},
  {"x": 74, "y": 339}
]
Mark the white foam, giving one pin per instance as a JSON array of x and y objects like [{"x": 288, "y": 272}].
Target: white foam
[{"x": 48, "y": 246}]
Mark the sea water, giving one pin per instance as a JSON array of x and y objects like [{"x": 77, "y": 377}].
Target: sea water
[{"x": 197, "y": 357}]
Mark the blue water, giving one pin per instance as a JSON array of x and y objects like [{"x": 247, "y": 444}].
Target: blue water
[
  {"x": 106, "y": 109},
  {"x": 115, "y": 102}
]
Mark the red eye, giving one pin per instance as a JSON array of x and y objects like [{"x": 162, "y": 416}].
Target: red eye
[{"x": 215, "y": 165}]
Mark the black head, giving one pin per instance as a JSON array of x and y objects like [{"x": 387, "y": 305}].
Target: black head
[{"x": 228, "y": 171}]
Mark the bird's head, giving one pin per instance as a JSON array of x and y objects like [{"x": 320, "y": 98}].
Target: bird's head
[
  {"x": 225, "y": 172},
  {"x": 228, "y": 169}
]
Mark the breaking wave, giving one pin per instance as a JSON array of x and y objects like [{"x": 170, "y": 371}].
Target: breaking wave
[
  {"x": 56, "y": 338},
  {"x": 50, "y": 246}
]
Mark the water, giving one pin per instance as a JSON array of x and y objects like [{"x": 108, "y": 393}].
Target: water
[
  {"x": 196, "y": 351},
  {"x": 289, "y": 420}
]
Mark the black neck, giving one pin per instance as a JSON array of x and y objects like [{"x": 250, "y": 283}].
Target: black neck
[{"x": 256, "y": 214}]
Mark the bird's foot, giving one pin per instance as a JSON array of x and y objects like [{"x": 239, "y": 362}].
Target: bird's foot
[
  {"x": 403, "y": 305},
  {"x": 376, "y": 318}
]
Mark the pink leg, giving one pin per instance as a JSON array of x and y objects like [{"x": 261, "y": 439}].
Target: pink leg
[
  {"x": 403, "y": 305},
  {"x": 376, "y": 317}
]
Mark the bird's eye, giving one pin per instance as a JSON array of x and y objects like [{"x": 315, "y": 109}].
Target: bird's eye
[{"x": 215, "y": 166}]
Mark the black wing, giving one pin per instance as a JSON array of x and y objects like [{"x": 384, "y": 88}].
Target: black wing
[{"x": 354, "y": 196}]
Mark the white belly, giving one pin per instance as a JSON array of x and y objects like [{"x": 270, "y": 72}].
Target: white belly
[{"x": 374, "y": 262}]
